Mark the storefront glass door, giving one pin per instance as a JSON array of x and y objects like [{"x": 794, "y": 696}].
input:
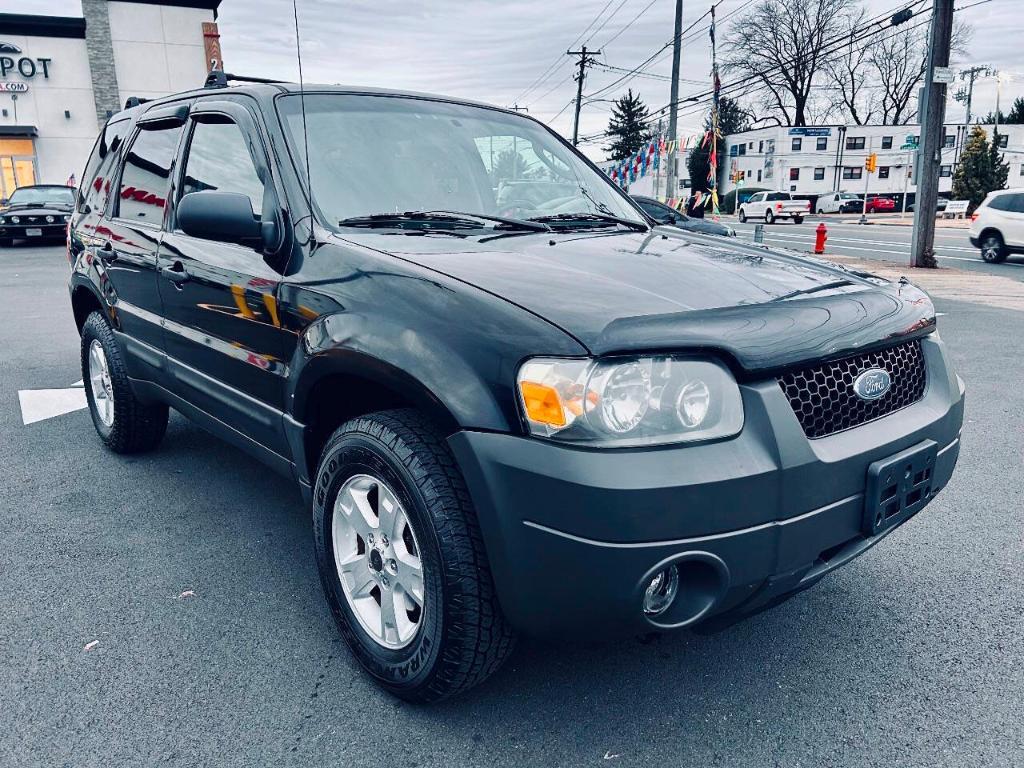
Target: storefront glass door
[{"x": 17, "y": 165}]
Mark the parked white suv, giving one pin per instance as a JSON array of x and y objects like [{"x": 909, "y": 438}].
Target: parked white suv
[
  {"x": 997, "y": 226},
  {"x": 774, "y": 205}
]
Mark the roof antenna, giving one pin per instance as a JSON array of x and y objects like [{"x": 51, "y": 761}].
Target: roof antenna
[{"x": 302, "y": 101}]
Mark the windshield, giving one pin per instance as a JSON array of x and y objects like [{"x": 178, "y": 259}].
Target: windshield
[
  {"x": 373, "y": 155},
  {"x": 849, "y": 196},
  {"x": 43, "y": 195}
]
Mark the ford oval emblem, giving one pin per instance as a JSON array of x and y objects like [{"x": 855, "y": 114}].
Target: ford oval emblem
[{"x": 872, "y": 384}]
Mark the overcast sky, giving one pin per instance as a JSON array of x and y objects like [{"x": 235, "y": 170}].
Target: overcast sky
[{"x": 495, "y": 50}]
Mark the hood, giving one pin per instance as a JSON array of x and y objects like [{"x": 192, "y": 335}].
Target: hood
[
  {"x": 35, "y": 209},
  {"x": 623, "y": 292}
]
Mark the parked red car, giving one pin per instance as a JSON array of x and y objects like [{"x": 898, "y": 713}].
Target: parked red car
[{"x": 877, "y": 204}]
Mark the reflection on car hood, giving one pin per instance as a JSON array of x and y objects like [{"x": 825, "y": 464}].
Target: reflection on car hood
[{"x": 624, "y": 291}]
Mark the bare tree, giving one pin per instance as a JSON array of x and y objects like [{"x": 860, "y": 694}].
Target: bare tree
[
  {"x": 781, "y": 46},
  {"x": 849, "y": 75},
  {"x": 897, "y": 62}
]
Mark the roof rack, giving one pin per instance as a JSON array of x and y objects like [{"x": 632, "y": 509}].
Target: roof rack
[
  {"x": 134, "y": 101},
  {"x": 220, "y": 79}
]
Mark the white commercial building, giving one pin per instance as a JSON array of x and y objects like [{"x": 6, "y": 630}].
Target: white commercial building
[
  {"x": 813, "y": 160},
  {"x": 61, "y": 77}
]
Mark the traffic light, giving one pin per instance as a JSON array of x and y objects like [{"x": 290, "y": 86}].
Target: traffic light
[{"x": 871, "y": 162}]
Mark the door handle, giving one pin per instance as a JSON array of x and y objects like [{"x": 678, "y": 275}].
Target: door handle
[
  {"x": 106, "y": 252},
  {"x": 176, "y": 273}
]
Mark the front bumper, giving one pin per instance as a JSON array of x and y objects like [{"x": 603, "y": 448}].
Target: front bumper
[
  {"x": 20, "y": 231},
  {"x": 573, "y": 536}
]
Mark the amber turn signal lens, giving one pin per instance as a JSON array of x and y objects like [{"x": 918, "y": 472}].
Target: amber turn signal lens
[{"x": 542, "y": 403}]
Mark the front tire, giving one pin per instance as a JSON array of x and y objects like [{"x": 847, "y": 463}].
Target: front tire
[
  {"x": 417, "y": 606},
  {"x": 6, "y": 242},
  {"x": 124, "y": 423},
  {"x": 993, "y": 250},
  {"x": 742, "y": 217}
]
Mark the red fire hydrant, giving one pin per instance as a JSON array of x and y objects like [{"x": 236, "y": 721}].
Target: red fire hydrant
[{"x": 821, "y": 235}]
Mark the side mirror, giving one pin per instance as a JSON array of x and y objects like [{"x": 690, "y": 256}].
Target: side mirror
[
  {"x": 4, "y": 201},
  {"x": 223, "y": 216}
]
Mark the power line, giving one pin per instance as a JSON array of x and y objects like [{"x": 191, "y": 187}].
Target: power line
[{"x": 547, "y": 73}]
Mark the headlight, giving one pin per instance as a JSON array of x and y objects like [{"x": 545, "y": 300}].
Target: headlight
[
  {"x": 15, "y": 219},
  {"x": 628, "y": 402},
  {"x": 67, "y": 218},
  {"x": 49, "y": 219}
]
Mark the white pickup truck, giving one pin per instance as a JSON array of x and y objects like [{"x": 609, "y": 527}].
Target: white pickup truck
[{"x": 774, "y": 205}]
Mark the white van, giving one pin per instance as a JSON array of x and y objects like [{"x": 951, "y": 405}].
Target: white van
[{"x": 840, "y": 202}]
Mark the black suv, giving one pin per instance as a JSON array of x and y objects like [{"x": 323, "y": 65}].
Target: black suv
[{"x": 512, "y": 402}]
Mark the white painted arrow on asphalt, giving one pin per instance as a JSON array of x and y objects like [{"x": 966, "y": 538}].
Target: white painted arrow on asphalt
[{"x": 42, "y": 404}]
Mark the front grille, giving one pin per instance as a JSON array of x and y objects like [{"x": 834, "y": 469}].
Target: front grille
[{"x": 825, "y": 403}]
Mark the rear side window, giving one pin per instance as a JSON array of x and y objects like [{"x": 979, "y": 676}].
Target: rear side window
[
  {"x": 146, "y": 178},
  {"x": 219, "y": 159},
  {"x": 95, "y": 189},
  {"x": 1000, "y": 202},
  {"x": 779, "y": 196}
]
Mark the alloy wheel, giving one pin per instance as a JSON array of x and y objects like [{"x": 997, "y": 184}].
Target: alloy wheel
[
  {"x": 991, "y": 249},
  {"x": 378, "y": 561},
  {"x": 100, "y": 384}
]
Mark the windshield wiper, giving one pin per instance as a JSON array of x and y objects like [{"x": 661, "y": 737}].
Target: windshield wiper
[
  {"x": 453, "y": 218},
  {"x": 598, "y": 219}
]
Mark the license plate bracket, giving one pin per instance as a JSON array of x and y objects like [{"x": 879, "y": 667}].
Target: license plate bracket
[
  {"x": 33, "y": 232},
  {"x": 899, "y": 486}
]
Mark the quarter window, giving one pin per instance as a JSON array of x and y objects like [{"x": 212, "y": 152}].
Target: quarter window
[
  {"x": 95, "y": 189},
  {"x": 146, "y": 177},
  {"x": 219, "y": 159}
]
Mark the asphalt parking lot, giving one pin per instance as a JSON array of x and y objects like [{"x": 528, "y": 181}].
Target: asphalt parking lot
[{"x": 165, "y": 609}]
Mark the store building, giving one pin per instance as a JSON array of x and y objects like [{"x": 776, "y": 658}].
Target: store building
[
  {"x": 61, "y": 77},
  {"x": 813, "y": 160}
]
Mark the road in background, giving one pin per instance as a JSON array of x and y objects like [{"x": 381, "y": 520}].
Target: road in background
[
  {"x": 166, "y": 609},
  {"x": 886, "y": 242}
]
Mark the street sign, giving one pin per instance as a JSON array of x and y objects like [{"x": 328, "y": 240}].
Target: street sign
[
  {"x": 943, "y": 75},
  {"x": 908, "y": 146}
]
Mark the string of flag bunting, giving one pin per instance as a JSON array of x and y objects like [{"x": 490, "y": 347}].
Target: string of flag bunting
[{"x": 648, "y": 158}]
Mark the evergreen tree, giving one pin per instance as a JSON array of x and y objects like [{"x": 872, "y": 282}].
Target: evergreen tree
[
  {"x": 1016, "y": 111},
  {"x": 981, "y": 169},
  {"x": 508, "y": 165},
  {"x": 732, "y": 118},
  {"x": 628, "y": 126}
]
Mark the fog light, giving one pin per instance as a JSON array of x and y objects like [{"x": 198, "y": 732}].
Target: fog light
[{"x": 661, "y": 591}]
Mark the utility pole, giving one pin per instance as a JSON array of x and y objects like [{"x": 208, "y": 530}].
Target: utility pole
[
  {"x": 966, "y": 95},
  {"x": 922, "y": 247},
  {"x": 672, "y": 172},
  {"x": 585, "y": 61}
]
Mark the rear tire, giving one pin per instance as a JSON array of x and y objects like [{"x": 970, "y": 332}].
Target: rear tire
[
  {"x": 769, "y": 217},
  {"x": 455, "y": 635},
  {"x": 993, "y": 250},
  {"x": 798, "y": 219},
  {"x": 821, "y": 212},
  {"x": 124, "y": 423}
]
